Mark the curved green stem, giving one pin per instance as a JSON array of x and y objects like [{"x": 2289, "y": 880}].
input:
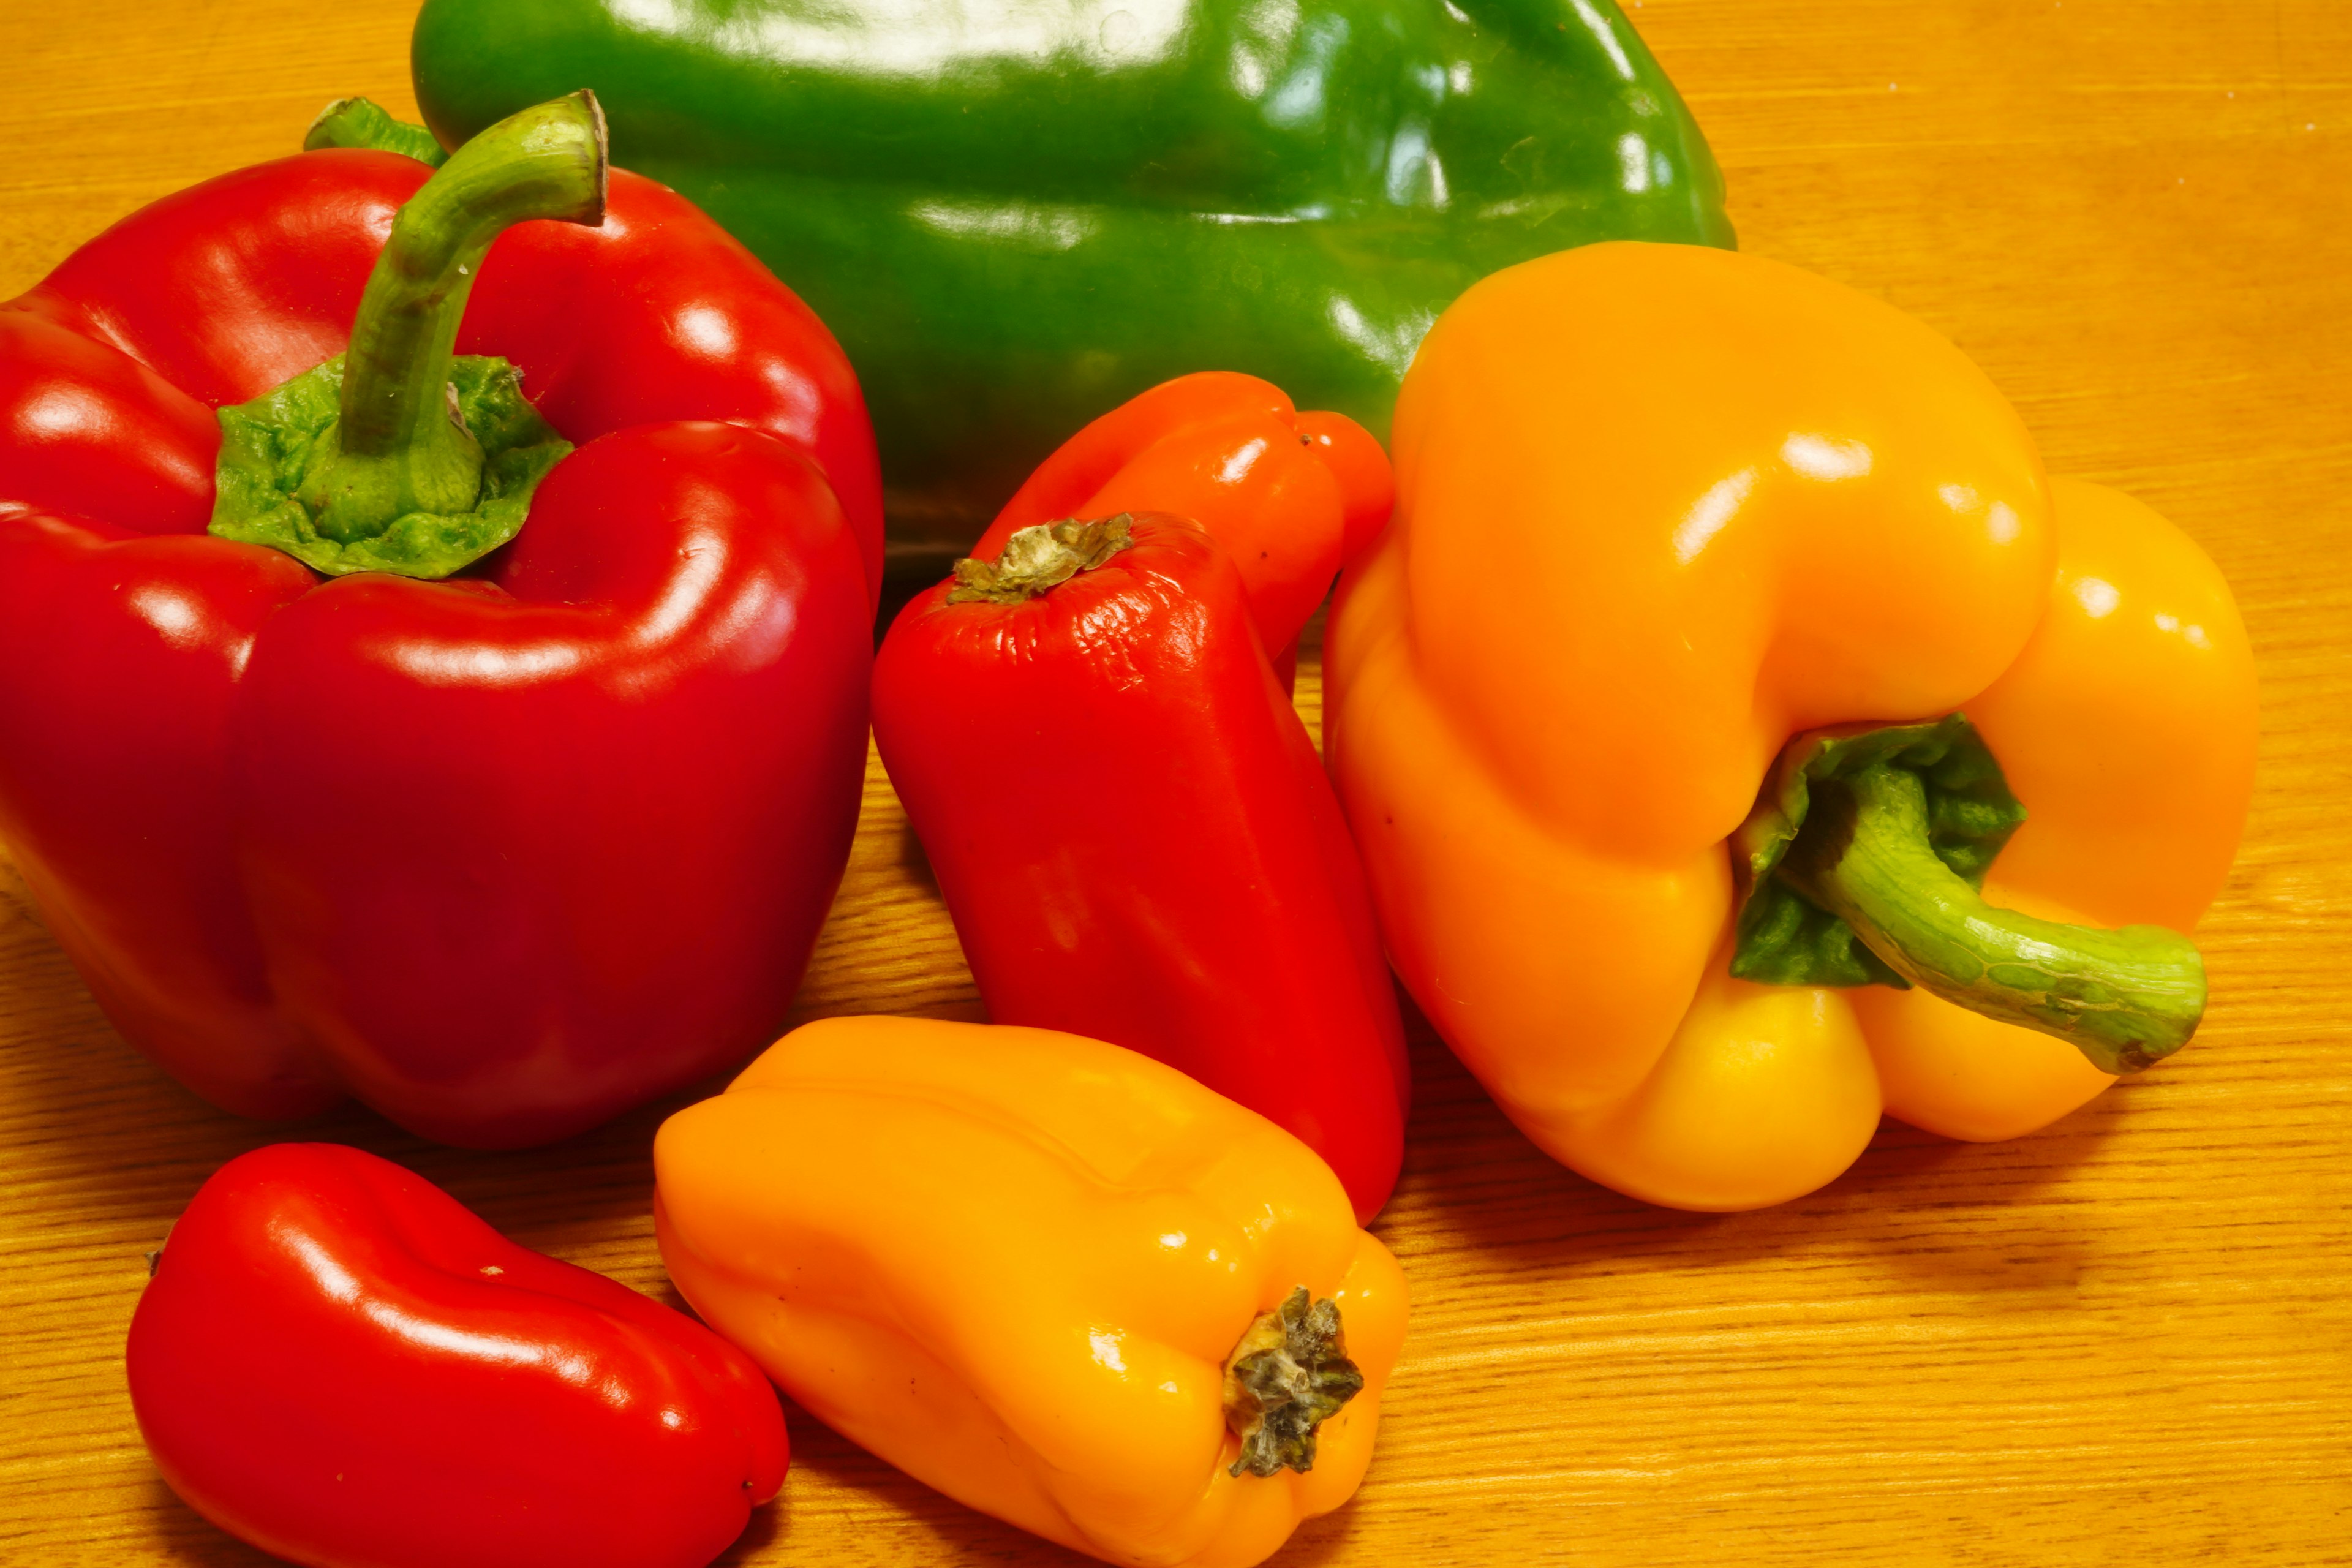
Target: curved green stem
[
  {"x": 398, "y": 445},
  {"x": 2125, "y": 998},
  {"x": 359, "y": 122}
]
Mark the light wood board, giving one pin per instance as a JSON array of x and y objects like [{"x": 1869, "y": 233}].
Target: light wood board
[{"x": 2127, "y": 1339}]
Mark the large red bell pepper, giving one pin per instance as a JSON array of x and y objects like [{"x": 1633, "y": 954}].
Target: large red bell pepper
[
  {"x": 1134, "y": 835},
  {"x": 336, "y": 1361},
  {"x": 504, "y": 854}
]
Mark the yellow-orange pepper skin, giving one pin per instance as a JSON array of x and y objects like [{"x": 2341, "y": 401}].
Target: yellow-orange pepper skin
[
  {"x": 1658, "y": 510},
  {"x": 2128, "y": 727},
  {"x": 1013, "y": 1263}
]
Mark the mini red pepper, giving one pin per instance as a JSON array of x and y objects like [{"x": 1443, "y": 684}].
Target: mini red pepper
[
  {"x": 1133, "y": 832},
  {"x": 1291, "y": 496},
  {"x": 338, "y": 1362},
  {"x": 503, "y": 854}
]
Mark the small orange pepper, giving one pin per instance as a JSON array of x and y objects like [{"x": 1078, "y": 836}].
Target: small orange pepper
[
  {"x": 1052, "y": 1278},
  {"x": 1661, "y": 508}
]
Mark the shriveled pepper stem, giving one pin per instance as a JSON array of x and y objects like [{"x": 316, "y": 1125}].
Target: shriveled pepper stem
[
  {"x": 2125, "y": 998},
  {"x": 1039, "y": 558},
  {"x": 400, "y": 447},
  {"x": 1289, "y": 1375}
]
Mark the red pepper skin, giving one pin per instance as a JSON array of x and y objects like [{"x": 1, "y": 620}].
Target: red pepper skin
[
  {"x": 222, "y": 292},
  {"x": 503, "y": 855},
  {"x": 339, "y": 1363},
  {"x": 1137, "y": 842},
  {"x": 1291, "y": 496}
]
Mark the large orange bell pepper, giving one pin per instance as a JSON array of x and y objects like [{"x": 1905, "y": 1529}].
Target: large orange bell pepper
[
  {"x": 1659, "y": 511},
  {"x": 1054, "y": 1279}
]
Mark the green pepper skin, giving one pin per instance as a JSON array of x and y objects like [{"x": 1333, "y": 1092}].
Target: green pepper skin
[{"x": 1017, "y": 214}]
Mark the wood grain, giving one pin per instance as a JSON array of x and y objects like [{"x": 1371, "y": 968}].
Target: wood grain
[{"x": 2126, "y": 1339}]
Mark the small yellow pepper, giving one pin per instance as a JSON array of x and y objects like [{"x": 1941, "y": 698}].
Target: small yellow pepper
[{"x": 1051, "y": 1277}]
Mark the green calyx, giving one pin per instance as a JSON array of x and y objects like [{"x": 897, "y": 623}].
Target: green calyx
[
  {"x": 396, "y": 455},
  {"x": 1040, "y": 558},
  {"x": 359, "y": 122},
  {"x": 1785, "y": 939},
  {"x": 1860, "y": 865},
  {"x": 1289, "y": 1374},
  {"x": 270, "y": 446}
]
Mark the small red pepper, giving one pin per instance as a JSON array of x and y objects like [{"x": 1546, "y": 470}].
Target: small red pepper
[
  {"x": 1133, "y": 832},
  {"x": 338, "y": 1362},
  {"x": 1291, "y": 496},
  {"x": 504, "y": 854}
]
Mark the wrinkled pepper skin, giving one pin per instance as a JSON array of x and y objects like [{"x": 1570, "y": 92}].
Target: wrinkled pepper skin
[
  {"x": 338, "y": 1362},
  {"x": 1659, "y": 509},
  {"x": 1012, "y": 1263},
  {"x": 1017, "y": 218},
  {"x": 1288, "y": 497},
  {"x": 503, "y": 855},
  {"x": 1137, "y": 842}
]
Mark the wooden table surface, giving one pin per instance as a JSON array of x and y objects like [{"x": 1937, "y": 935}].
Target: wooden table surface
[{"x": 2126, "y": 1339}]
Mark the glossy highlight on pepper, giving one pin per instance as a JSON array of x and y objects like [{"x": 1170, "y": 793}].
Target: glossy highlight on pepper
[
  {"x": 1018, "y": 1265},
  {"x": 338, "y": 1363},
  {"x": 1685, "y": 505},
  {"x": 1290, "y": 497},
  {"x": 504, "y": 854},
  {"x": 1135, "y": 836},
  {"x": 1018, "y": 215}
]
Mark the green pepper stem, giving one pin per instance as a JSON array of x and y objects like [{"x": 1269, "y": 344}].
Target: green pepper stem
[
  {"x": 2125, "y": 998},
  {"x": 360, "y": 123},
  {"x": 400, "y": 447}
]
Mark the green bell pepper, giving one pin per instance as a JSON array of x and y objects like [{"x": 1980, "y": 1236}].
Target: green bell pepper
[{"x": 1017, "y": 214}]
